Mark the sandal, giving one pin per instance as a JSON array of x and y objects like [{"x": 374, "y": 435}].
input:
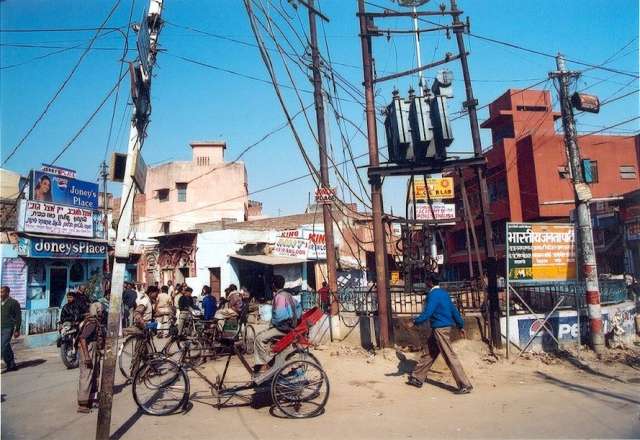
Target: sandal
[
  {"x": 463, "y": 390},
  {"x": 84, "y": 410},
  {"x": 414, "y": 382}
]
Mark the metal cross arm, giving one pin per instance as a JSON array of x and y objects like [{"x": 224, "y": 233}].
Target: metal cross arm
[
  {"x": 410, "y": 169},
  {"x": 447, "y": 59},
  {"x": 389, "y": 13}
]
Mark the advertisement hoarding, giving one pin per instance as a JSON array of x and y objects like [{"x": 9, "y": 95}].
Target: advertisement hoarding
[
  {"x": 14, "y": 275},
  {"x": 50, "y": 218},
  {"x": 439, "y": 188},
  {"x": 435, "y": 211},
  {"x": 540, "y": 252},
  {"x": 47, "y": 247},
  {"x": 54, "y": 188},
  {"x": 301, "y": 243}
]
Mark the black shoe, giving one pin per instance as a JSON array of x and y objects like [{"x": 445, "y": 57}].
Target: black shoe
[
  {"x": 12, "y": 367},
  {"x": 414, "y": 382},
  {"x": 464, "y": 390}
]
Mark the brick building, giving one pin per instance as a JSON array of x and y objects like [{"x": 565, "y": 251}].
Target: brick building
[{"x": 527, "y": 171}]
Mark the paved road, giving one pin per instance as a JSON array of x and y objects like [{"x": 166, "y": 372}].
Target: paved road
[{"x": 368, "y": 400}]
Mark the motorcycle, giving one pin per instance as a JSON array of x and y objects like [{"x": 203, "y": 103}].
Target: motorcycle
[{"x": 67, "y": 344}]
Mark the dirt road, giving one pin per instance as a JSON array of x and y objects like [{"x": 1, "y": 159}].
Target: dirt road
[{"x": 532, "y": 399}]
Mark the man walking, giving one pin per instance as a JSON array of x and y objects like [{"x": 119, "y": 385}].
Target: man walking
[
  {"x": 442, "y": 314},
  {"x": 11, "y": 322}
]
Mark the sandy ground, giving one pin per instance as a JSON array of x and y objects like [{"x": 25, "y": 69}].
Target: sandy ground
[{"x": 539, "y": 397}]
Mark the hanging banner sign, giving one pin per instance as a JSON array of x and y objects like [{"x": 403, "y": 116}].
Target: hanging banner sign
[
  {"x": 325, "y": 196},
  {"x": 14, "y": 275},
  {"x": 49, "y": 218},
  {"x": 50, "y": 187},
  {"x": 46, "y": 247},
  {"x": 439, "y": 188},
  {"x": 435, "y": 211},
  {"x": 541, "y": 252},
  {"x": 301, "y": 243}
]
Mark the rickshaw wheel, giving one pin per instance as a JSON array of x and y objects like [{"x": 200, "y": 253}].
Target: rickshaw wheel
[
  {"x": 160, "y": 387},
  {"x": 300, "y": 389},
  {"x": 302, "y": 354}
]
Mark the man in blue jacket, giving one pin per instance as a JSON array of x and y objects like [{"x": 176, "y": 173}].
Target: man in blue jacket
[{"x": 442, "y": 314}]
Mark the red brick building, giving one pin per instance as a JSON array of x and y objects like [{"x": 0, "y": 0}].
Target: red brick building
[{"x": 527, "y": 171}]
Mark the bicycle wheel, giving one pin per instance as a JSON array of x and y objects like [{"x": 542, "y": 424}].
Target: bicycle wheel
[
  {"x": 248, "y": 339},
  {"x": 173, "y": 350},
  {"x": 302, "y": 354},
  {"x": 160, "y": 387},
  {"x": 126, "y": 356},
  {"x": 300, "y": 389}
]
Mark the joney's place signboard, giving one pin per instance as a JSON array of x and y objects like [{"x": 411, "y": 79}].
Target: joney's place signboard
[
  {"x": 50, "y": 218},
  {"x": 46, "y": 247},
  {"x": 439, "y": 188},
  {"x": 301, "y": 243},
  {"x": 540, "y": 251},
  {"x": 56, "y": 188}
]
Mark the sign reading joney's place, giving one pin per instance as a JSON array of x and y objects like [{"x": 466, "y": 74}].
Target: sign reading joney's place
[
  {"x": 50, "y": 218},
  {"x": 47, "y": 247},
  {"x": 56, "y": 188},
  {"x": 541, "y": 251}
]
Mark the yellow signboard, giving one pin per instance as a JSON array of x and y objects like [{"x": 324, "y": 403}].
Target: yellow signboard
[
  {"x": 439, "y": 188},
  {"x": 395, "y": 277}
]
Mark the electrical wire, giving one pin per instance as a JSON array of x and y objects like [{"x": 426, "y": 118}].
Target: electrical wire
[{"x": 63, "y": 85}]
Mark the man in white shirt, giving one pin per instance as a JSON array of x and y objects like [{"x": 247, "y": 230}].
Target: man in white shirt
[{"x": 144, "y": 307}]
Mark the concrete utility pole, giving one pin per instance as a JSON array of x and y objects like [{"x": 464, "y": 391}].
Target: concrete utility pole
[
  {"x": 587, "y": 255},
  {"x": 379, "y": 245},
  {"x": 470, "y": 104},
  {"x": 322, "y": 145},
  {"x": 147, "y": 48},
  {"x": 104, "y": 173}
]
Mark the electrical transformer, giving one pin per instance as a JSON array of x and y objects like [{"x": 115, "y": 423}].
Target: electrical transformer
[{"x": 397, "y": 128}]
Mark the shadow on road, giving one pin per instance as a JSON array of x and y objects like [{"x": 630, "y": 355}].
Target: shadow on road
[
  {"x": 585, "y": 389},
  {"x": 405, "y": 366},
  {"x": 563, "y": 354},
  {"x": 122, "y": 430},
  {"x": 26, "y": 364}
]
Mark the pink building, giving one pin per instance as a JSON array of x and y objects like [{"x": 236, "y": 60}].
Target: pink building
[{"x": 180, "y": 194}]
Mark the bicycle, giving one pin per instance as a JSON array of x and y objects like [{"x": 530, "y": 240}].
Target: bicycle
[{"x": 299, "y": 386}]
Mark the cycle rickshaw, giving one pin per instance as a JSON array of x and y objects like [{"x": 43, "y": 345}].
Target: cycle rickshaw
[{"x": 296, "y": 382}]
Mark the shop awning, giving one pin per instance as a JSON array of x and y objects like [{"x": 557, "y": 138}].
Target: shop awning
[{"x": 270, "y": 260}]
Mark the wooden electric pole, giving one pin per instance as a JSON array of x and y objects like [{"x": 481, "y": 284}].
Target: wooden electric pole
[
  {"x": 141, "y": 77},
  {"x": 322, "y": 146},
  {"x": 491, "y": 265},
  {"x": 586, "y": 248},
  {"x": 379, "y": 245}
]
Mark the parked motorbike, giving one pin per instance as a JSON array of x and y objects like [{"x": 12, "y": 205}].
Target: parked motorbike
[{"x": 67, "y": 343}]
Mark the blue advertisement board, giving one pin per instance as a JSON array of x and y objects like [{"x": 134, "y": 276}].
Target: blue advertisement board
[
  {"x": 50, "y": 187},
  {"x": 45, "y": 247}
]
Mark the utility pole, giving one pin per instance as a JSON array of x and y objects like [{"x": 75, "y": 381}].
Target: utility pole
[
  {"x": 379, "y": 245},
  {"x": 587, "y": 257},
  {"x": 322, "y": 145},
  {"x": 141, "y": 76},
  {"x": 104, "y": 173},
  {"x": 470, "y": 104}
]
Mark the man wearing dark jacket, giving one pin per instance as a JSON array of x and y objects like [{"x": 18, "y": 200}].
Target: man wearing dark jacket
[
  {"x": 11, "y": 322},
  {"x": 442, "y": 314}
]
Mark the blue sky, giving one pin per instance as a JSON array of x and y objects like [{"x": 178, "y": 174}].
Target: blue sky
[{"x": 192, "y": 102}]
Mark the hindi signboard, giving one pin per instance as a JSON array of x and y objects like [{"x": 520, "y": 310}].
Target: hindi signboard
[
  {"x": 325, "y": 196},
  {"x": 55, "y": 188},
  {"x": 439, "y": 188},
  {"x": 50, "y": 218},
  {"x": 541, "y": 251},
  {"x": 435, "y": 211},
  {"x": 14, "y": 275}
]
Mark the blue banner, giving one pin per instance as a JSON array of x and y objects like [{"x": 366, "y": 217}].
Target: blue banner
[
  {"x": 49, "y": 187},
  {"x": 41, "y": 247}
]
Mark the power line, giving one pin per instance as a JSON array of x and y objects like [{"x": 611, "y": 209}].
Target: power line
[
  {"x": 88, "y": 121},
  {"x": 63, "y": 85},
  {"x": 82, "y": 29}
]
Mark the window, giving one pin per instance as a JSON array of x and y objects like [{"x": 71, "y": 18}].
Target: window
[
  {"x": 76, "y": 274},
  {"x": 164, "y": 227},
  {"x": 182, "y": 192},
  {"x": 163, "y": 194},
  {"x": 202, "y": 161},
  {"x": 627, "y": 172},
  {"x": 590, "y": 170},
  {"x": 564, "y": 173}
]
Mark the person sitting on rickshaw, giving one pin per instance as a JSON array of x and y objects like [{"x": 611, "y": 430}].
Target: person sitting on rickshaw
[
  {"x": 231, "y": 307},
  {"x": 285, "y": 313}
]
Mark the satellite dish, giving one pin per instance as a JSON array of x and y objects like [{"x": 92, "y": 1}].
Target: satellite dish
[{"x": 411, "y": 3}]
